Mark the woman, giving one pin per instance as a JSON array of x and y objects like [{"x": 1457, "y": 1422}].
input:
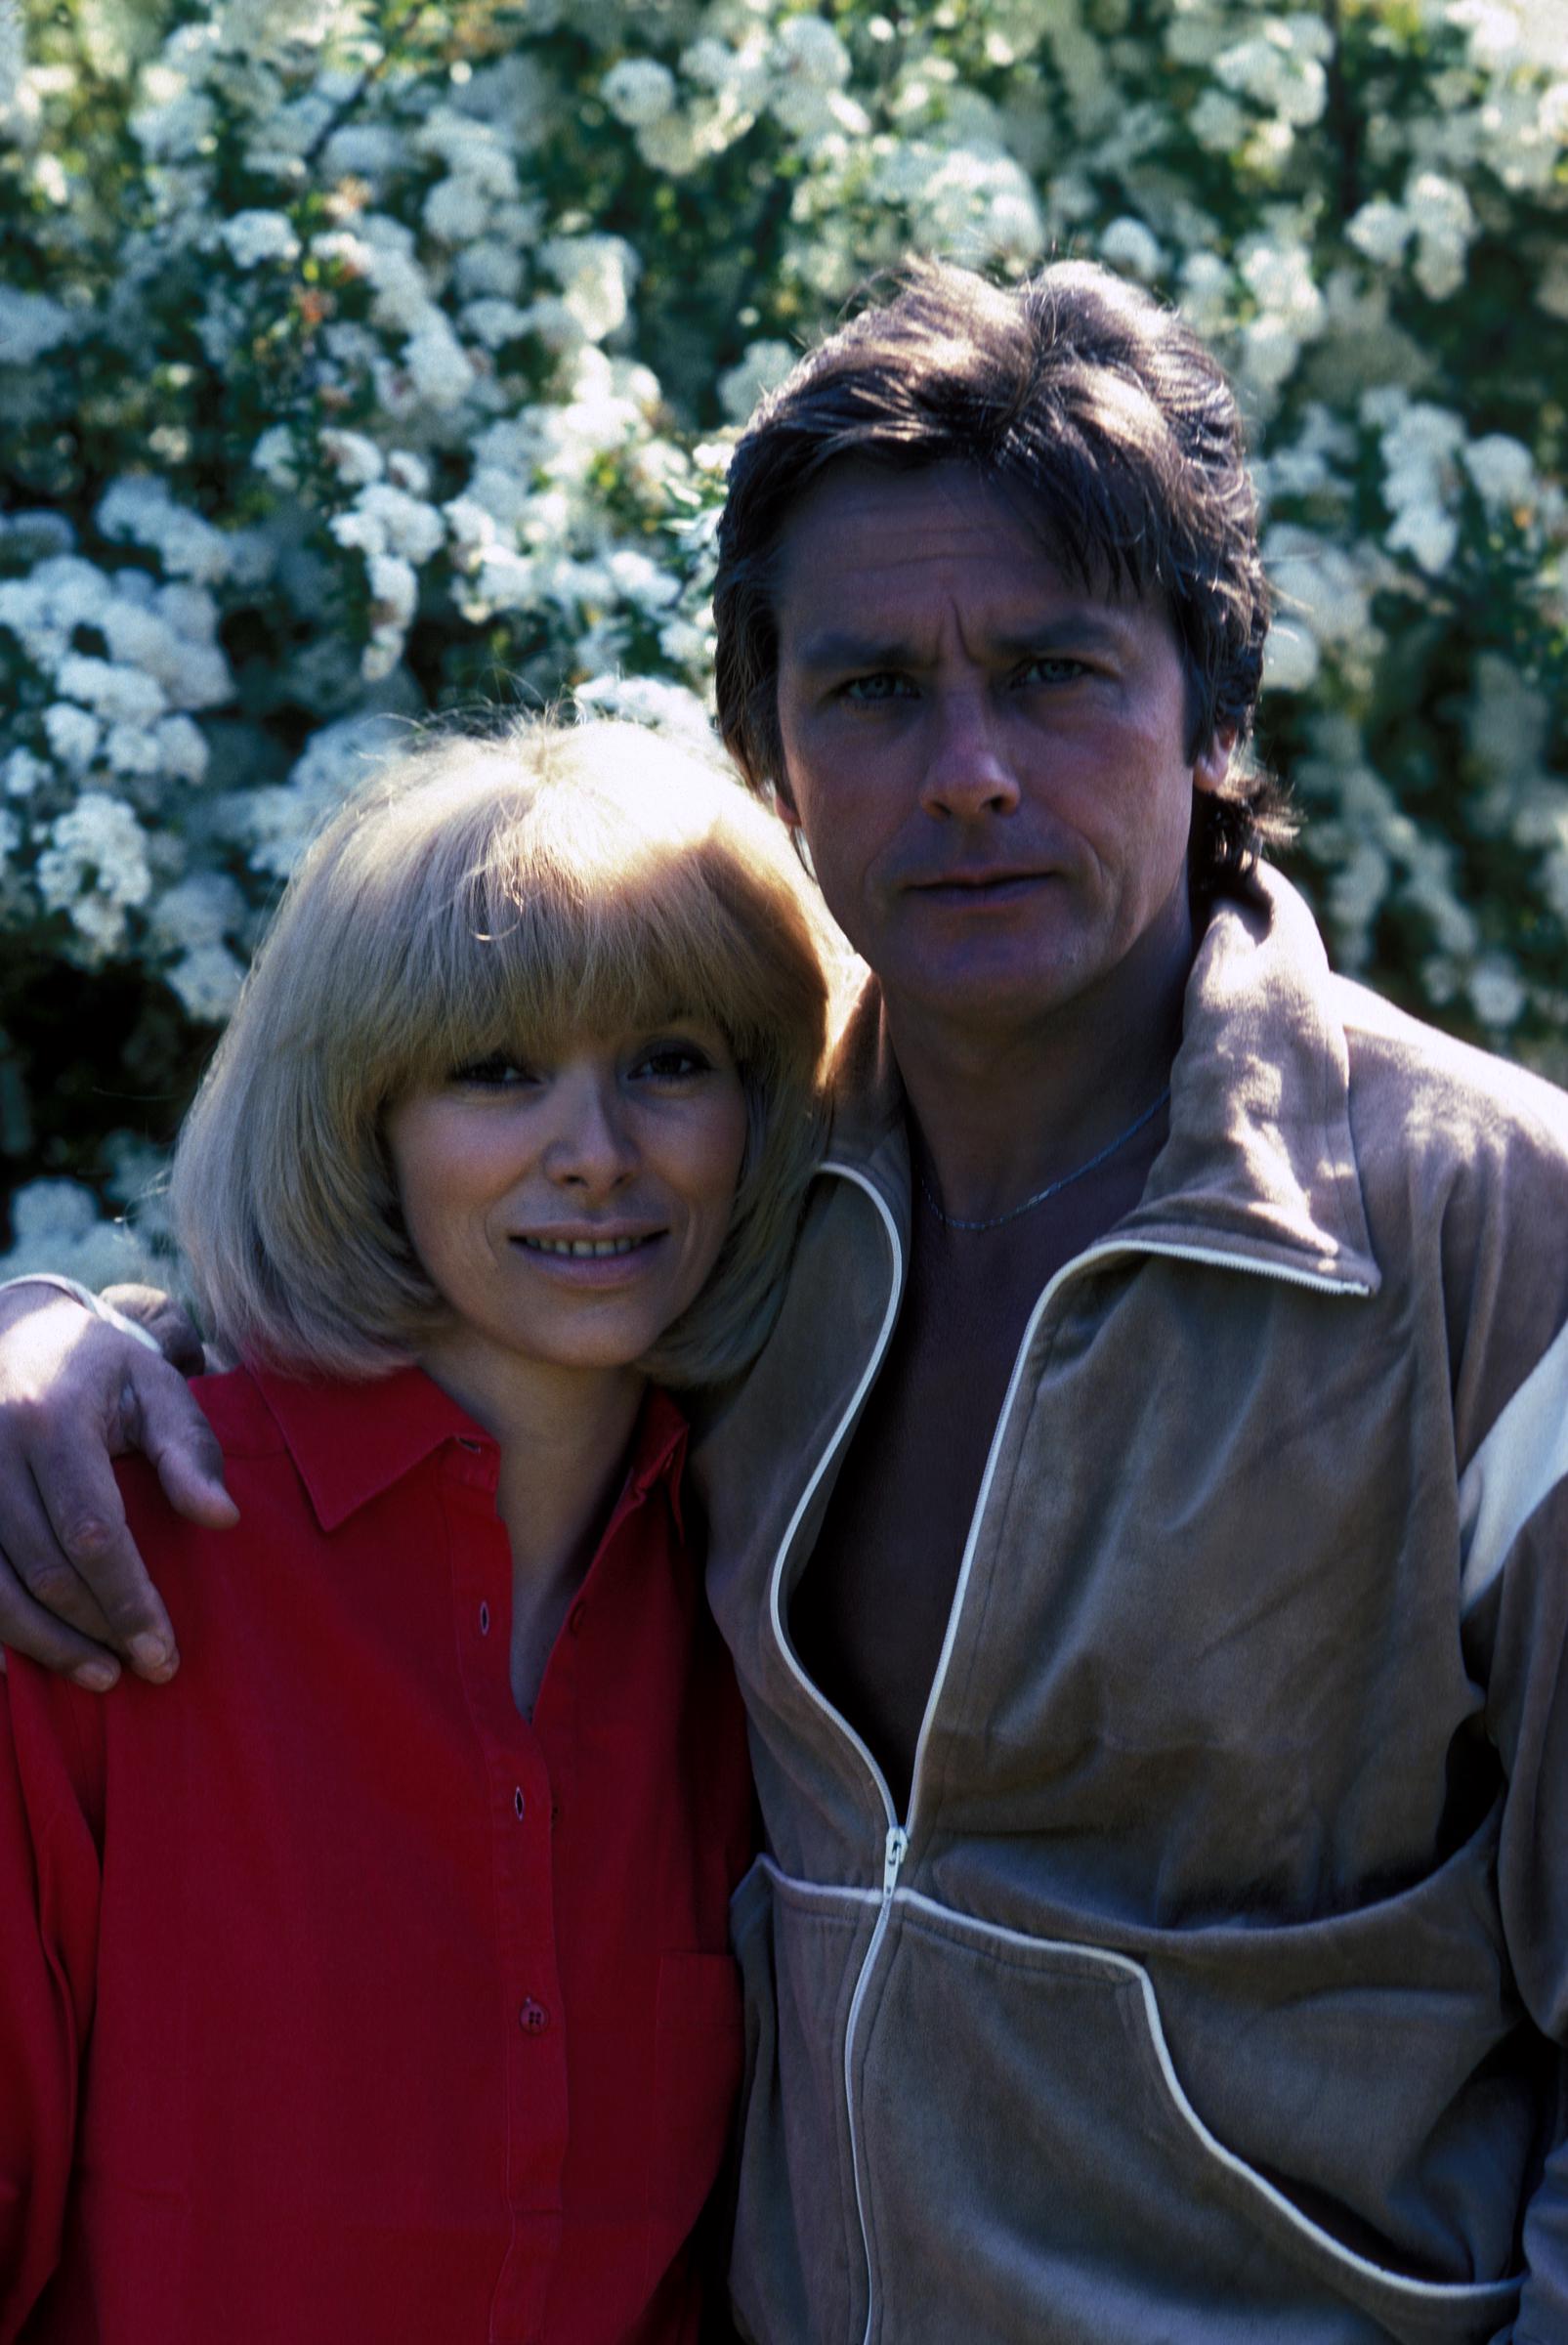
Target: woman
[{"x": 371, "y": 1981}]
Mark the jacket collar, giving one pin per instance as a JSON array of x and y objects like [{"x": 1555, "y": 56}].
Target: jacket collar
[
  {"x": 351, "y": 1442},
  {"x": 1259, "y": 1165}
]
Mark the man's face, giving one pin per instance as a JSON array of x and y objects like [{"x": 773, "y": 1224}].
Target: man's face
[{"x": 988, "y": 761}]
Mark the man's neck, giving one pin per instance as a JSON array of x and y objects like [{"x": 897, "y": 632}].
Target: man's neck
[{"x": 998, "y": 1113}]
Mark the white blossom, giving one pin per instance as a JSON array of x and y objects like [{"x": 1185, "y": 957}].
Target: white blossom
[
  {"x": 1279, "y": 71},
  {"x": 274, "y": 456},
  {"x": 356, "y": 459},
  {"x": 255, "y": 237},
  {"x": 94, "y": 868},
  {"x": 760, "y": 368},
  {"x": 117, "y": 693},
  {"x": 142, "y": 508},
  {"x": 441, "y": 373},
  {"x": 56, "y": 1226},
  {"x": 21, "y": 773},
  {"x": 31, "y": 326},
  {"x": 1217, "y": 122},
  {"x": 1445, "y": 224},
  {"x": 1381, "y": 231},
  {"x": 1503, "y": 469},
  {"x": 73, "y": 734},
  {"x": 1128, "y": 244},
  {"x": 638, "y": 91},
  {"x": 1428, "y": 532},
  {"x": 596, "y": 274}
]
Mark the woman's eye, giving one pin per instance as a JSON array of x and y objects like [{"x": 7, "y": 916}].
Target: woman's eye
[
  {"x": 674, "y": 1062},
  {"x": 492, "y": 1074}
]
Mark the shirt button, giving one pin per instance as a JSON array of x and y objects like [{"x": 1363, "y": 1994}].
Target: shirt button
[
  {"x": 532, "y": 2019},
  {"x": 484, "y": 1620},
  {"x": 519, "y": 1803}
]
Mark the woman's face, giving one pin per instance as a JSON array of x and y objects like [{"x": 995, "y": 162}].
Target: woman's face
[{"x": 569, "y": 1206}]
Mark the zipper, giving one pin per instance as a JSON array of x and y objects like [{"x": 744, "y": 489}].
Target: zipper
[
  {"x": 896, "y": 1845},
  {"x": 867, "y": 1378}
]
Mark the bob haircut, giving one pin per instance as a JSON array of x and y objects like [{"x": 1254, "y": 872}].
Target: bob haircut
[
  {"x": 1095, "y": 406},
  {"x": 485, "y": 895}
]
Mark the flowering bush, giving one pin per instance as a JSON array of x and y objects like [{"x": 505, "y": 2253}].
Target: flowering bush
[{"x": 362, "y": 359}]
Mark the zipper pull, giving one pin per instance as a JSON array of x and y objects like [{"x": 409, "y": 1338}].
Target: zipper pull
[{"x": 898, "y": 1844}]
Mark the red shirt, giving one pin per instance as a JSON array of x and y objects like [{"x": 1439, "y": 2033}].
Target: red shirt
[{"x": 337, "y": 2003}]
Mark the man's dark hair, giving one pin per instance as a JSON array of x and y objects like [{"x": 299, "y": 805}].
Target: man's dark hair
[{"x": 1097, "y": 404}]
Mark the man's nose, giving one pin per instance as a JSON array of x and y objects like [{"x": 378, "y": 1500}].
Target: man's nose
[
  {"x": 592, "y": 1147},
  {"x": 969, "y": 772}
]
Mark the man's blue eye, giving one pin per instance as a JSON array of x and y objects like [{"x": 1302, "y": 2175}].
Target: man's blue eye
[{"x": 883, "y": 685}]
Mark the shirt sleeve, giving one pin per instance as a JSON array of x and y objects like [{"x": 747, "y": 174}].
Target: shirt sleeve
[
  {"x": 50, "y": 1879},
  {"x": 1520, "y": 1613}
]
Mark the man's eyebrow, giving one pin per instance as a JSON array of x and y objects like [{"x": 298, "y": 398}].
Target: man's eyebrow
[
  {"x": 1090, "y": 627},
  {"x": 840, "y": 648}
]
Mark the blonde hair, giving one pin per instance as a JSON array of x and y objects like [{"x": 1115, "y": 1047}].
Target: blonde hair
[{"x": 478, "y": 896}]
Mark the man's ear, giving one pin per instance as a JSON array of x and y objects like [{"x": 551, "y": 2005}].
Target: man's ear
[
  {"x": 783, "y": 804},
  {"x": 1213, "y": 765}
]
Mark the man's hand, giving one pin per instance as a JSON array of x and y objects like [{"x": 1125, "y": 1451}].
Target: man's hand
[{"x": 74, "y": 1392}]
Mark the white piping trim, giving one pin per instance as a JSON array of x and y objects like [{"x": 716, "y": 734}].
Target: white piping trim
[
  {"x": 867, "y": 1378},
  {"x": 1094, "y": 1254},
  {"x": 817, "y": 1893},
  {"x": 1424, "y": 2291},
  {"x": 1521, "y": 1460}
]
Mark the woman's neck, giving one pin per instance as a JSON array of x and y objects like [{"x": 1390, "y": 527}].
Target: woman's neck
[{"x": 562, "y": 1435}]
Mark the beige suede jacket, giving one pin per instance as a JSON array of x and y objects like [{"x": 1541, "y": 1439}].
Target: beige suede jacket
[{"x": 1212, "y": 1986}]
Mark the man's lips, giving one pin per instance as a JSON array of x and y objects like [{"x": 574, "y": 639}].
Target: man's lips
[{"x": 977, "y": 885}]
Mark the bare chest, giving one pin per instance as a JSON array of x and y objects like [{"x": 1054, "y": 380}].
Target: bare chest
[{"x": 871, "y": 1613}]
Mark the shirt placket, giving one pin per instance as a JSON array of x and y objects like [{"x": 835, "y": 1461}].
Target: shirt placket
[{"x": 531, "y": 2014}]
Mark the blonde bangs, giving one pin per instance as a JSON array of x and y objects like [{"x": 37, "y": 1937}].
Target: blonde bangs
[{"x": 490, "y": 912}]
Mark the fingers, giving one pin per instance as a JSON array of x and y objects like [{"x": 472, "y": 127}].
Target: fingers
[
  {"x": 26, "y": 1626},
  {"x": 165, "y": 1322},
  {"x": 164, "y": 1421},
  {"x": 81, "y": 1563},
  {"x": 73, "y": 1391}
]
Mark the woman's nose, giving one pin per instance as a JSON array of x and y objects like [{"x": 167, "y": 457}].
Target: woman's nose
[{"x": 592, "y": 1145}]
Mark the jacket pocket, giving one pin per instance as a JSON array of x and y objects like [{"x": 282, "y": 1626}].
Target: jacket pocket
[{"x": 1032, "y": 2079}]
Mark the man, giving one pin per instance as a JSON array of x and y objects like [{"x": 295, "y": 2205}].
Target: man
[{"x": 1140, "y": 1543}]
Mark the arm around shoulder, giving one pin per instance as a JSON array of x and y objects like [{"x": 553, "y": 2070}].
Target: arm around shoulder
[{"x": 76, "y": 1391}]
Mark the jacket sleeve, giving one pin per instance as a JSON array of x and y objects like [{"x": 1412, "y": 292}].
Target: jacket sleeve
[
  {"x": 1516, "y": 1577},
  {"x": 49, "y": 1877}
]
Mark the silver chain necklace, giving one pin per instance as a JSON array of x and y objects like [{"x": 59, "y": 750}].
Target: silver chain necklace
[{"x": 951, "y": 1220}]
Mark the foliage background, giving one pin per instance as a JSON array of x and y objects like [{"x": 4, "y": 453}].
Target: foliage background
[{"x": 359, "y": 360}]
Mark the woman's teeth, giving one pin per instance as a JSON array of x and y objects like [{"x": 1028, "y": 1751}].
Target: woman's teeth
[{"x": 588, "y": 1246}]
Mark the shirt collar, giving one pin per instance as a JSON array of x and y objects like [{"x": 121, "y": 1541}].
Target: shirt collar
[
  {"x": 350, "y": 1442},
  {"x": 1260, "y": 1160}
]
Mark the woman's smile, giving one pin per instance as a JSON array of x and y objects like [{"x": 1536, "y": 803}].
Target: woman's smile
[{"x": 569, "y": 1203}]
